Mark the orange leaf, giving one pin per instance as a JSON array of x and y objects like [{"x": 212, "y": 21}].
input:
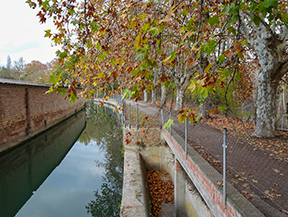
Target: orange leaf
[
  {"x": 213, "y": 111},
  {"x": 229, "y": 53}
]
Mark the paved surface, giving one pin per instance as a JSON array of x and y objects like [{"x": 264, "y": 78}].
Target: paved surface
[{"x": 254, "y": 172}]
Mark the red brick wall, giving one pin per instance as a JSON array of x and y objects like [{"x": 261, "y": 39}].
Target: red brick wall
[
  {"x": 211, "y": 190},
  {"x": 25, "y": 107}
]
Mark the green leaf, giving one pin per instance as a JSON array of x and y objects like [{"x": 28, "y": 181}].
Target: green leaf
[
  {"x": 171, "y": 57},
  {"x": 138, "y": 40},
  {"x": 72, "y": 98},
  {"x": 50, "y": 90},
  {"x": 269, "y": 3},
  {"x": 45, "y": 4},
  {"x": 47, "y": 33},
  {"x": 192, "y": 86},
  {"x": 31, "y": 4},
  {"x": 213, "y": 20},
  {"x": 101, "y": 75},
  {"x": 226, "y": 72},
  {"x": 256, "y": 20},
  {"x": 134, "y": 72},
  {"x": 222, "y": 108},
  {"x": 140, "y": 56},
  {"x": 238, "y": 76},
  {"x": 154, "y": 31},
  {"x": 62, "y": 91},
  {"x": 52, "y": 79},
  {"x": 61, "y": 54},
  {"x": 145, "y": 27},
  {"x": 209, "y": 46},
  {"x": 168, "y": 124},
  {"x": 185, "y": 12},
  {"x": 221, "y": 58},
  {"x": 205, "y": 93},
  {"x": 232, "y": 30}
]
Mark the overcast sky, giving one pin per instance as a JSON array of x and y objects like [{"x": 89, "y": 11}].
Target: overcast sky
[{"x": 22, "y": 35}]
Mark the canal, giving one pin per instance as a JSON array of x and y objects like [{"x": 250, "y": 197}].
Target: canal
[{"x": 74, "y": 169}]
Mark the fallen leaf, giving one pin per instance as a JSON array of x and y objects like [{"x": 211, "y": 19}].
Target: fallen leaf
[
  {"x": 219, "y": 183},
  {"x": 246, "y": 185}
]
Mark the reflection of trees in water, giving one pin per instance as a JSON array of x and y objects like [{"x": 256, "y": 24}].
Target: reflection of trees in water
[{"x": 104, "y": 129}]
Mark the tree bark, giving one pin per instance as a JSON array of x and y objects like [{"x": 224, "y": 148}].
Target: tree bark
[
  {"x": 266, "y": 106},
  {"x": 282, "y": 102},
  {"x": 270, "y": 48},
  {"x": 179, "y": 98},
  {"x": 163, "y": 94},
  {"x": 145, "y": 96},
  {"x": 153, "y": 95},
  {"x": 205, "y": 108}
]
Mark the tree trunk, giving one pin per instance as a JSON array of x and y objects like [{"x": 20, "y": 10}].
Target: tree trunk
[
  {"x": 153, "y": 95},
  {"x": 205, "y": 107},
  {"x": 145, "y": 96},
  {"x": 282, "y": 102},
  {"x": 179, "y": 98},
  {"x": 266, "y": 106},
  {"x": 270, "y": 48},
  {"x": 163, "y": 94},
  {"x": 181, "y": 84}
]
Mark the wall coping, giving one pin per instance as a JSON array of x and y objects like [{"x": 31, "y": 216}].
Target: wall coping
[
  {"x": 135, "y": 193},
  {"x": 25, "y": 83}
]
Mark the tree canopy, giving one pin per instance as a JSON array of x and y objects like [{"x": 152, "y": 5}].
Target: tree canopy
[{"x": 196, "y": 44}]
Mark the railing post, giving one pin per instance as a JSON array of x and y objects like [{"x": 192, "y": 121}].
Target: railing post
[
  {"x": 137, "y": 115},
  {"x": 170, "y": 129},
  {"x": 162, "y": 118},
  {"x": 224, "y": 167},
  {"x": 130, "y": 115},
  {"x": 123, "y": 112},
  {"x": 124, "y": 104},
  {"x": 186, "y": 136}
]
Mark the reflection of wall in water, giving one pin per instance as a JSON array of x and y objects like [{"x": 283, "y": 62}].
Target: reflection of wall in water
[{"x": 24, "y": 169}]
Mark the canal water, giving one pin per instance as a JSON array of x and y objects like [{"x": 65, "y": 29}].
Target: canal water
[{"x": 74, "y": 169}]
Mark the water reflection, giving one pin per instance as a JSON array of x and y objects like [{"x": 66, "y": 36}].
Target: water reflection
[
  {"x": 109, "y": 138},
  {"x": 24, "y": 169},
  {"x": 50, "y": 182}
]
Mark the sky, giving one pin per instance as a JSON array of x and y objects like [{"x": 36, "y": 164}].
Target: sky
[{"x": 22, "y": 35}]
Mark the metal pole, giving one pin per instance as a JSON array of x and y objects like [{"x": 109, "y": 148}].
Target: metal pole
[
  {"x": 162, "y": 118},
  {"x": 123, "y": 112},
  {"x": 137, "y": 115},
  {"x": 130, "y": 115},
  {"x": 224, "y": 166},
  {"x": 282, "y": 122},
  {"x": 186, "y": 136},
  {"x": 170, "y": 129},
  {"x": 124, "y": 104}
]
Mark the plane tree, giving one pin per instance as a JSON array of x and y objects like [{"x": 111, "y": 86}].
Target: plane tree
[{"x": 209, "y": 40}]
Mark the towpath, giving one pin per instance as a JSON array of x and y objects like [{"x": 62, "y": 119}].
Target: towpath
[{"x": 259, "y": 175}]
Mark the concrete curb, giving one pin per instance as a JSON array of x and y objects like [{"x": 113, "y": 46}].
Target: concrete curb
[{"x": 135, "y": 195}]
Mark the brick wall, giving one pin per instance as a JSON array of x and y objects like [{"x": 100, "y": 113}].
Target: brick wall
[
  {"x": 205, "y": 178},
  {"x": 24, "y": 108}
]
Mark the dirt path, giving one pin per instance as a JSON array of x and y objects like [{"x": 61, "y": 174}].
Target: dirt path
[{"x": 257, "y": 174}]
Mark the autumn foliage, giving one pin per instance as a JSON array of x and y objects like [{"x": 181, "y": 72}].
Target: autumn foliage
[
  {"x": 161, "y": 190},
  {"x": 140, "y": 45}
]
